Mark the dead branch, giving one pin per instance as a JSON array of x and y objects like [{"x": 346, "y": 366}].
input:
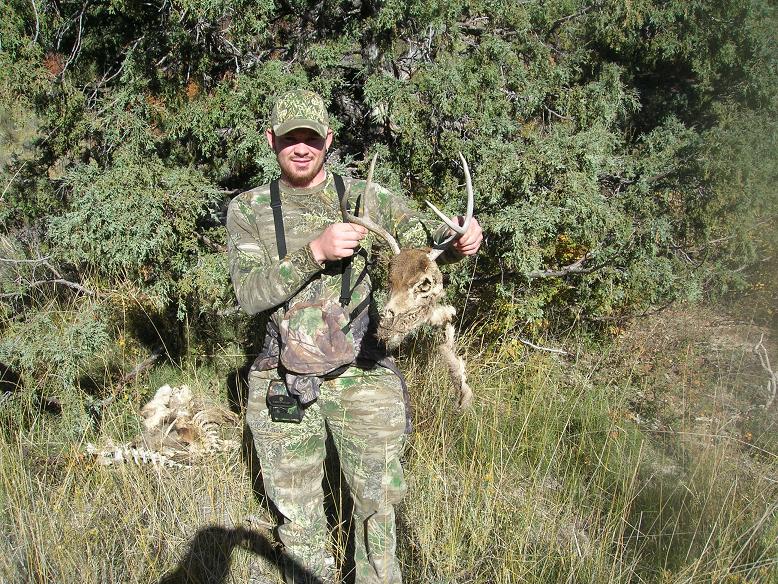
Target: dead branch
[
  {"x": 97, "y": 406},
  {"x": 212, "y": 244},
  {"x": 147, "y": 363},
  {"x": 38, "y": 283},
  {"x": 77, "y": 45},
  {"x": 558, "y": 115},
  {"x": 574, "y": 268},
  {"x": 10, "y": 182},
  {"x": 560, "y": 21},
  {"x": 37, "y": 22},
  {"x": 764, "y": 359},
  {"x": 108, "y": 76},
  {"x": 541, "y": 348},
  {"x": 15, "y": 261},
  {"x": 58, "y": 279}
]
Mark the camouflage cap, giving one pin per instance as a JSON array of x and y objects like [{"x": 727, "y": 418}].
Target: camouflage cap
[{"x": 299, "y": 109}]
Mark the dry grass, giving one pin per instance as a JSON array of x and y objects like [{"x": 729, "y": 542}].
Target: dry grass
[{"x": 650, "y": 461}]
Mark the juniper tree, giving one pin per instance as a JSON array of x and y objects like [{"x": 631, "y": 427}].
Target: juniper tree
[{"x": 621, "y": 153}]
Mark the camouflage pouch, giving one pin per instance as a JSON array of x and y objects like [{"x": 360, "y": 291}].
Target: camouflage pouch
[{"x": 313, "y": 341}]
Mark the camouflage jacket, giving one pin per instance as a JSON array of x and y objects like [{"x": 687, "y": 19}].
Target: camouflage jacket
[{"x": 264, "y": 282}]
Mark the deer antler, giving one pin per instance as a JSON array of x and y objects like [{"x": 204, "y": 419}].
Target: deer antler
[
  {"x": 459, "y": 230},
  {"x": 365, "y": 220}
]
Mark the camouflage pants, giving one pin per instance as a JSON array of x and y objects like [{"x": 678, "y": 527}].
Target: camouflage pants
[{"x": 365, "y": 414}]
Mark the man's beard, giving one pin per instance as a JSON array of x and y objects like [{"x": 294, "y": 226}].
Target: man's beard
[{"x": 297, "y": 178}]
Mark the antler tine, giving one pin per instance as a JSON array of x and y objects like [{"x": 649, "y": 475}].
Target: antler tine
[
  {"x": 365, "y": 221},
  {"x": 459, "y": 230}
]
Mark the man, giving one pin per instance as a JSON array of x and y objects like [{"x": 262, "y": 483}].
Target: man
[{"x": 314, "y": 279}]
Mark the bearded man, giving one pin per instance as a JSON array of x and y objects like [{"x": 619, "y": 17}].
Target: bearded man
[{"x": 321, "y": 370}]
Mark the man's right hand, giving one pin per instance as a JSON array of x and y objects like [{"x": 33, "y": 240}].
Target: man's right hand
[{"x": 338, "y": 241}]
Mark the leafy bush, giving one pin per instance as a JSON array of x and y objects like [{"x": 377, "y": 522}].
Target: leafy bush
[{"x": 623, "y": 154}]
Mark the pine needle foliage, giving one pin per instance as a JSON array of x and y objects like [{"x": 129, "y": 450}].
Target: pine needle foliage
[{"x": 623, "y": 153}]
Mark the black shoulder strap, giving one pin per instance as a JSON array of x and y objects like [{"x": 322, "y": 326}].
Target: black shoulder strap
[
  {"x": 278, "y": 218},
  {"x": 340, "y": 186},
  {"x": 345, "y": 282}
]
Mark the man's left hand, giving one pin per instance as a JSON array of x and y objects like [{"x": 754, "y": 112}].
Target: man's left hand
[{"x": 469, "y": 243}]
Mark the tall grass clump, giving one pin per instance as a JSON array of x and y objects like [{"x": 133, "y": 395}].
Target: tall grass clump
[
  {"x": 67, "y": 519},
  {"x": 552, "y": 476},
  {"x": 550, "y": 479}
]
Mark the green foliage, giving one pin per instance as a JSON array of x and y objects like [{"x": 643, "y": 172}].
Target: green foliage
[
  {"x": 132, "y": 222},
  {"x": 52, "y": 347},
  {"x": 623, "y": 154}
]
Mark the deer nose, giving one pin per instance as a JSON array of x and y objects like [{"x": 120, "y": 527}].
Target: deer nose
[{"x": 389, "y": 314}]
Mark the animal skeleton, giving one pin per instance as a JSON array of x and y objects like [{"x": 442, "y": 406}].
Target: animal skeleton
[
  {"x": 124, "y": 453},
  {"x": 416, "y": 287},
  {"x": 176, "y": 427}
]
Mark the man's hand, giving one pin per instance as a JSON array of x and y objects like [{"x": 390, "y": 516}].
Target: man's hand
[
  {"x": 470, "y": 242},
  {"x": 338, "y": 241}
]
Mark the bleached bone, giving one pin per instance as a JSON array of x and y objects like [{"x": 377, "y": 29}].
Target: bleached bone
[
  {"x": 772, "y": 382},
  {"x": 157, "y": 409},
  {"x": 209, "y": 432},
  {"x": 175, "y": 426},
  {"x": 126, "y": 453},
  {"x": 416, "y": 285}
]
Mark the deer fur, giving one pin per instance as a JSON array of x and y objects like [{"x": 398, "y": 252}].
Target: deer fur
[{"x": 416, "y": 288}]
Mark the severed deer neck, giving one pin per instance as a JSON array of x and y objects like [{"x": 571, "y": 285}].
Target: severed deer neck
[{"x": 416, "y": 287}]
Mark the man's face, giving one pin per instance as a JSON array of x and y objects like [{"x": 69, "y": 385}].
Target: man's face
[{"x": 300, "y": 155}]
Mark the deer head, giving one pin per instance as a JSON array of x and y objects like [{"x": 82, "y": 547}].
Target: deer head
[{"x": 416, "y": 283}]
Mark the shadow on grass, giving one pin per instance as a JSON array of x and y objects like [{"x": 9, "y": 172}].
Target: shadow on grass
[{"x": 207, "y": 561}]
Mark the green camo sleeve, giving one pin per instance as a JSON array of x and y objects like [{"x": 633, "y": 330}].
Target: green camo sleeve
[{"x": 260, "y": 279}]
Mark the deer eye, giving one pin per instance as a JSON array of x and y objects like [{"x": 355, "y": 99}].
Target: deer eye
[{"x": 424, "y": 285}]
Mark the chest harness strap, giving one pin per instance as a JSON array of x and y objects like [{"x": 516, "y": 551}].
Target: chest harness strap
[{"x": 278, "y": 220}]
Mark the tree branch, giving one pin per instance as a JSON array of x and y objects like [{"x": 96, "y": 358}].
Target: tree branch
[
  {"x": 38, "y": 283},
  {"x": 574, "y": 268},
  {"x": 77, "y": 44},
  {"x": 37, "y": 22},
  {"x": 560, "y": 21},
  {"x": 212, "y": 244},
  {"x": 25, "y": 261},
  {"x": 541, "y": 348},
  {"x": 147, "y": 363}
]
